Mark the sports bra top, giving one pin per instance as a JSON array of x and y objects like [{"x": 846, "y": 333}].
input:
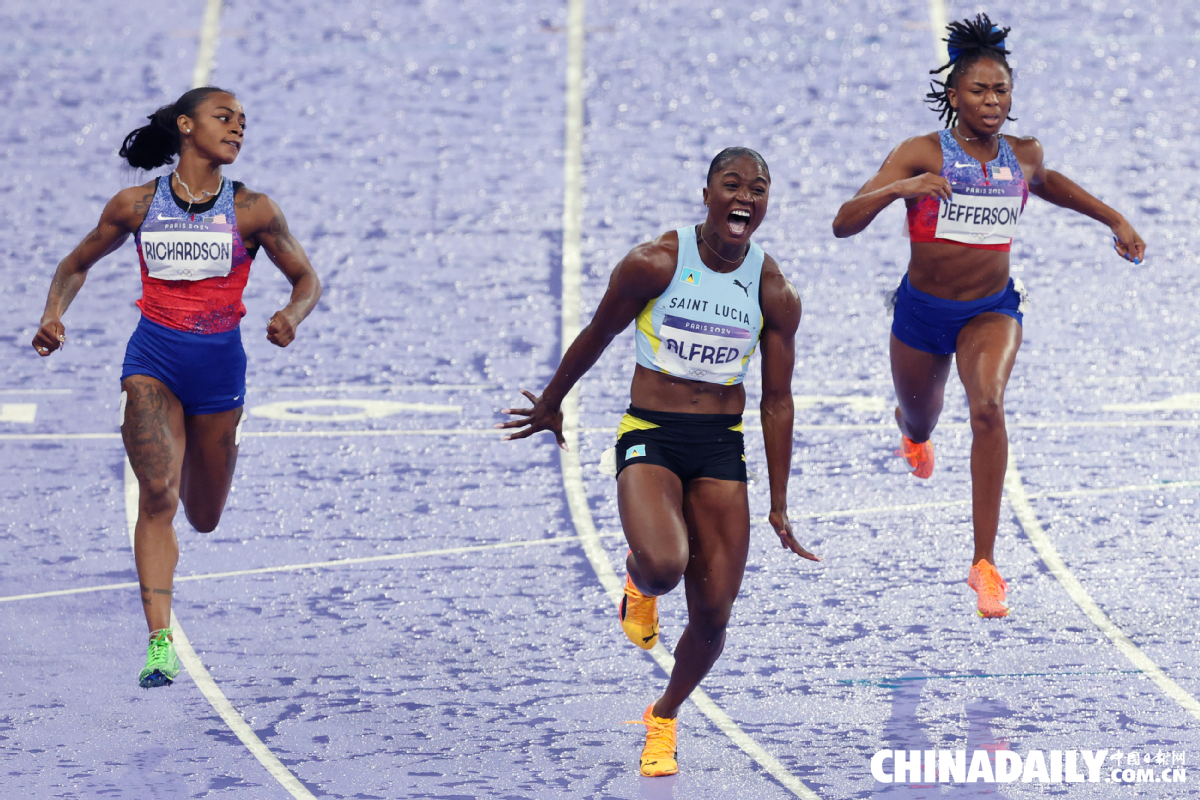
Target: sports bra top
[
  {"x": 986, "y": 205},
  {"x": 194, "y": 263},
  {"x": 706, "y": 325}
]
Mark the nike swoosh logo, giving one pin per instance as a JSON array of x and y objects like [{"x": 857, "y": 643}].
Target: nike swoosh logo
[
  {"x": 955, "y": 164},
  {"x": 161, "y": 218},
  {"x": 648, "y": 638}
]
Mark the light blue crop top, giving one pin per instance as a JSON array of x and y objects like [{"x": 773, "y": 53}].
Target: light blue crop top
[{"x": 706, "y": 325}]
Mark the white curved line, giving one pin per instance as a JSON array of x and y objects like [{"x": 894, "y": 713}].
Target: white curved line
[
  {"x": 1075, "y": 590},
  {"x": 205, "y": 683},
  {"x": 206, "y": 53},
  {"x": 572, "y": 472},
  {"x": 314, "y": 565}
]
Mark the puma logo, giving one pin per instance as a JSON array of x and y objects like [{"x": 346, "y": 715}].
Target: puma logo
[{"x": 745, "y": 288}]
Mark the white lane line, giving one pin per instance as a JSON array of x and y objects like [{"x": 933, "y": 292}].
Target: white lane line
[
  {"x": 333, "y": 563},
  {"x": 937, "y": 21},
  {"x": 354, "y": 387},
  {"x": 491, "y": 432},
  {"x": 572, "y": 471},
  {"x": 1075, "y": 590},
  {"x": 207, "y": 51},
  {"x": 36, "y": 391},
  {"x": 1138, "y": 487},
  {"x": 204, "y": 681}
]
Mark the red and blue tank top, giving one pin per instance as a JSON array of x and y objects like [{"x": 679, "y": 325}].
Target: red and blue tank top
[
  {"x": 194, "y": 262},
  {"x": 986, "y": 205}
]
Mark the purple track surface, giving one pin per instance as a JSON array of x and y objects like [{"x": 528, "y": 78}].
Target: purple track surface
[{"x": 417, "y": 150}]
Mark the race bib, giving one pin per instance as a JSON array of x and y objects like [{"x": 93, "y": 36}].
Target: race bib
[
  {"x": 702, "y": 351},
  {"x": 187, "y": 250},
  {"x": 980, "y": 214}
]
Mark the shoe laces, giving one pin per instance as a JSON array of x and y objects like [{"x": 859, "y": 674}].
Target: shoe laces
[
  {"x": 160, "y": 643},
  {"x": 660, "y": 737},
  {"x": 990, "y": 581},
  {"x": 639, "y": 609}
]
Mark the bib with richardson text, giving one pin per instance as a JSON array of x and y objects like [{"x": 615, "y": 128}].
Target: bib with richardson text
[
  {"x": 177, "y": 249},
  {"x": 981, "y": 214}
]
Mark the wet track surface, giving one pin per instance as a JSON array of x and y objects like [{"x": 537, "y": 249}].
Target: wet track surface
[{"x": 417, "y": 153}]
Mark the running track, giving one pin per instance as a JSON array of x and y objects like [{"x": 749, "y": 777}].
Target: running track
[{"x": 419, "y": 154}]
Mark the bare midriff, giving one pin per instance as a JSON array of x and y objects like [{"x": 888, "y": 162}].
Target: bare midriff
[
  {"x": 955, "y": 272},
  {"x": 657, "y": 391}
]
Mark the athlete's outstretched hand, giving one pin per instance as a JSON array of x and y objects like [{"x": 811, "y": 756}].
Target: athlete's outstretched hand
[
  {"x": 542, "y": 417},
  {"x": 281, "y": 330},
  {"x": 51, "y": 336},
  {"x": 1127, "y": 243},
  {"x": 783, "y": 528}
]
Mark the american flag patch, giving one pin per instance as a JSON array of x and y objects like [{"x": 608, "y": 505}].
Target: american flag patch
[
  {"x": 219, "y": 219},
  {"x": 1002, "y": 173}
]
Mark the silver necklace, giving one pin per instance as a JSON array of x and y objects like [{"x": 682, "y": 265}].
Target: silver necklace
[
  {"x": 700, "y": 236},
  {"x": 191, "y": 197},
  {"x": 956, "y": 130}
]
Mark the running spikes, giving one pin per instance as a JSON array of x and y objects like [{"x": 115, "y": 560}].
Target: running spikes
[
  {"x": 162, "y": 665},
  {"x": 991, "y": 588},
  {"x": 918, "y": 456},
  {"x": 658, "y": 754},
  {"x": 639, "y": 616}
]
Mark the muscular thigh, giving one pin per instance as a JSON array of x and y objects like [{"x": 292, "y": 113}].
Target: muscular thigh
[
  {"x": 650, "y": 499},
  {"x": 718, "y": 521},
  {"x": 152, "y": 429},
  {"x": 987, "y": 350},
  {"x": 210, "y": 457}
]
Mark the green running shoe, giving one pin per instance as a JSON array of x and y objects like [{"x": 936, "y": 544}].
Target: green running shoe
[{"x": 162, "y": 665}]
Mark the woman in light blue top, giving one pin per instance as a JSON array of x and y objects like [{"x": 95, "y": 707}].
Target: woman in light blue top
[{"x": 705, "y": 299}]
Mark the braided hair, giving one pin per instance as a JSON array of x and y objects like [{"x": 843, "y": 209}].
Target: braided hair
[
  {"x": 969, "y": 42},
  {"x": 153, "y": 145}
]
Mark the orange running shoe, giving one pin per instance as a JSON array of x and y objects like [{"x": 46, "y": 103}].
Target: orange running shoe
[
  {"x": 658, "y": 756},
  {"x": 992, "y": 590},
  {"x": 918, "y": 456},
  {"x": 639, "y": 616}
]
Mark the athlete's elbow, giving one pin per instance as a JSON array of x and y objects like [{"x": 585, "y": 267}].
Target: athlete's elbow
[{"x": 841, "y": 227}]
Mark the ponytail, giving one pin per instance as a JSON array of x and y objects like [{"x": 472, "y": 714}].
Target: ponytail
[{"x": 156, "y": 144}]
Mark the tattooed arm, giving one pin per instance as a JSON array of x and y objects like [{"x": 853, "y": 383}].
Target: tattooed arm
[
  {"x": 121, "y": 217},
  {"x": 261, "y": 222}
]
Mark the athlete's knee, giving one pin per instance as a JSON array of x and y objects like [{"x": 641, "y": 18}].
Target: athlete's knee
[
  {"x": 158, "y": 496},
  {"x": 204, "y": 520},
  {"x": 920, "y": 422},
  {"x": 987, "y": 416},
  {"x": 659, "y": 573}
]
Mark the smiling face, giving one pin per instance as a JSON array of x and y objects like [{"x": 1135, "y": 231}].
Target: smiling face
[
  {"x": 737, "y": 199},
  {"x": 215, "y": 129},
  {"x": 982, "y": 96}
]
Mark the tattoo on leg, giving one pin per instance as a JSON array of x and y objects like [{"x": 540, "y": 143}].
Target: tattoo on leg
[
  {"x": 167, "y": 592},
  {"x": 147, "y": 430}
]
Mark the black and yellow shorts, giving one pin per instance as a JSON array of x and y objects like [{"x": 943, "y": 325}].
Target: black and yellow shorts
[{"x": 690, "y": 445}]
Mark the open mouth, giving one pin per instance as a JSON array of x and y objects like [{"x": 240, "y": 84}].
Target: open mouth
[
  {"x": 234, "y": 145},
  {"x": 739, "y": 221}
]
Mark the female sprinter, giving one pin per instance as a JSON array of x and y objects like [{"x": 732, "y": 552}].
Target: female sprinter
[
  {"x": 703, "y": 297},
  {"x": 965, "y": 188},
  {"x": 184, "y": 378}
]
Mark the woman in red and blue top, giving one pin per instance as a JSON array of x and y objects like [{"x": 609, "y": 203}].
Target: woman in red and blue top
[
  {"x": 183, "y": 381},
  {"x": 965, "y": 188}
]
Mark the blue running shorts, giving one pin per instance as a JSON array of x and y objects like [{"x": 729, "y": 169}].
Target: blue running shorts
[{"x": 207, "y": 372}]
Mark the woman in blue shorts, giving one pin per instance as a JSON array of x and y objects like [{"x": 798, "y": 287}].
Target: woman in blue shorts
[
  {"x": 184, "y": 378},
  {"x": 965, "y": 188}
]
